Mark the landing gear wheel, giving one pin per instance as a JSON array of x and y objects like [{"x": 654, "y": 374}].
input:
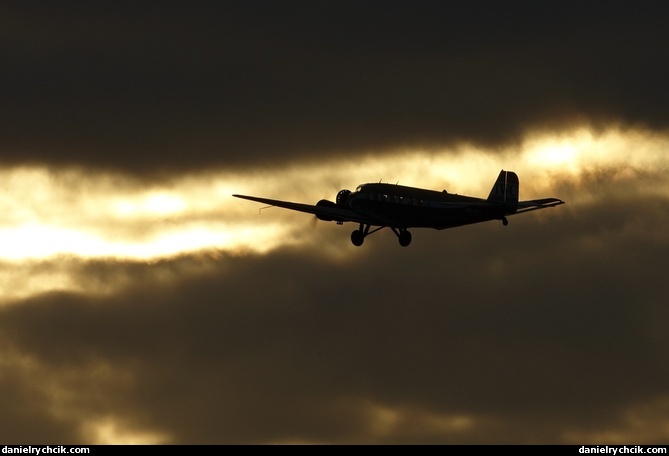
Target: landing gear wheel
[
  {"x": 504, "y": 221},
  {"x": 357, "y": 238},
  {"x": 405, "y": 238}
]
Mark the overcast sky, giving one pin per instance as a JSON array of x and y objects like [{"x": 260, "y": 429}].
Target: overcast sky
[{"x": 141, "y": 303}]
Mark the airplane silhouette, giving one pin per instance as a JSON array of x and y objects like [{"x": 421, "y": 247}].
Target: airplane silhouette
[{"x": 399, "y": 207}]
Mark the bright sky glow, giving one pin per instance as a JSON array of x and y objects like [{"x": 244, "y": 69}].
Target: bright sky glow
[
  {"x": 561, "y": 154},
  {"x": 110, "y": 432},
  {"x": 155, "y": 204},
  {"x": 38, "y": 241},
  {"x": 385, "y": 421},
  {"x": 44, "y": 213}
]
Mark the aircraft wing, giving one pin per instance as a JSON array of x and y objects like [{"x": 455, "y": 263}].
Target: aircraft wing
[
  {"x": 336, "y": 213},
  {"x": 533, "y": 205}
]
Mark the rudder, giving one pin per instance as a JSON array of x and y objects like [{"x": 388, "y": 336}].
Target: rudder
[{"x": 506, "y": 190}]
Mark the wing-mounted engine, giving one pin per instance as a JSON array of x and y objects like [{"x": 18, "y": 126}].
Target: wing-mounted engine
[
  {"x": 325, "y": 203},
  {"x": 342, "y": 197},
  {"x": 342, "y": 200}
]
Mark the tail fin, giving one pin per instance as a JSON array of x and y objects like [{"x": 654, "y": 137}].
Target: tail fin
[{"x": 506, "y": 190}]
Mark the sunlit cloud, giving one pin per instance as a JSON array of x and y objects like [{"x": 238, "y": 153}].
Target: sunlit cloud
[
  {"x": 26, "y": 278},
  {"x": 153, "y": 204},
  {"x": 44, "y": 213},
  {"x": 110, "y": 431},
  {"x": 645, "y": 423},
  {"x": 58, "y": 395},
  {"x": 580, "y": 153},
  {"x": 36, "y": 241},
  {"x": 386, "y": 422}
]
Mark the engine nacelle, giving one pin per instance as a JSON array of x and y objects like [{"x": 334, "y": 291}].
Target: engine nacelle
[
  {"x": 342, "y": 197},
  {"x": 325, "y": 203}
]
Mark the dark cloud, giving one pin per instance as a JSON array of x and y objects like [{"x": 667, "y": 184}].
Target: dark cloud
[
  {"x": 169, "y": 87},
  {"x": 531, "y": 331},
  {"x": 551, "y": 327}
]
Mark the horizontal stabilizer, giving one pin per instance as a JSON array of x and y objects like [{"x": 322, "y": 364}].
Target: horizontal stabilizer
[{"x": 533, "y": 205}]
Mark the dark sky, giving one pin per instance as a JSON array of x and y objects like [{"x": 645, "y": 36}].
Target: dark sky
[
  {"x": 550, "y": 330},
  {"x": 167, "y": 85}
]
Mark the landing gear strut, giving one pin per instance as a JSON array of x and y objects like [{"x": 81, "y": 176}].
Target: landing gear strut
[
  {"x": 358, "y": 236},
  {"x": 404, "y": 236}
]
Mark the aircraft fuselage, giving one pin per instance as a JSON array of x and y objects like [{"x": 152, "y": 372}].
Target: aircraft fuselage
[{"x": 411, "y": 207}]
